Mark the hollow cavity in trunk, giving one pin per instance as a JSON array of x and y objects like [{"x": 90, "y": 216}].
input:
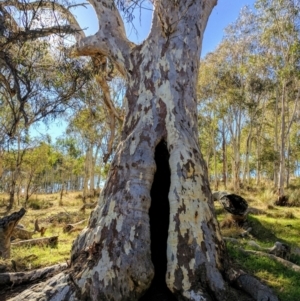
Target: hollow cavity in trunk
[{"x": 159, "y": 213}]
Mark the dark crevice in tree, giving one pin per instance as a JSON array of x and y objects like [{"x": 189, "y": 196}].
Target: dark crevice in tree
[{"x": 159, "y": 213}]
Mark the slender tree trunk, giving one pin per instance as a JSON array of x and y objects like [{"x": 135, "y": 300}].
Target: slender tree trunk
[
  {"x": 63, "y": 185},
  {"x": 282, "y": 146},
  {"x": 216, "y": 180},
  {"x": 246, "y": 174},
  {"x": 87, "y": 174},
  {"x": 12, "y": 189},
  {"x": 236, "y": 165},
  {"x": 288, "y": 164},
  {"x": 276, "y": 163},
  {"x": 15, "y": 175},
  {"x": 224, "y": 156}
]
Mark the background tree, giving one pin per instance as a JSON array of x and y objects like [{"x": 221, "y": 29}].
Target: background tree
[
  {"x": 37, "y": 78},
  {"x": 259, "y": 51},
  {"x": 280, "y": 37}
]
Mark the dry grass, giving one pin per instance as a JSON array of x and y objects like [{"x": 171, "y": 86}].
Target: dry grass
[{"x": 54, "y": 217}]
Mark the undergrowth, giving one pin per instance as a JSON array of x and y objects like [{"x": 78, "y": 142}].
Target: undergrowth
[{"x": 272, "y": 224}]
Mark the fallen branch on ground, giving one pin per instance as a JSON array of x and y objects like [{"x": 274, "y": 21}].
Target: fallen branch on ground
[
  {"x": 21, "y": 233},
  {"x": 71, "y": 227},
  {"x": 52, "y": 241},
  {"x": 88, "y": 206},
  {"x": 25, "y": 277},
  {"x": 284, "y": 262},
  {"x": 279, "y": 249}
]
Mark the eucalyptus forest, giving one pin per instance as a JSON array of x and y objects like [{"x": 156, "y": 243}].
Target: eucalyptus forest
[{"x": 144, "y": 134}]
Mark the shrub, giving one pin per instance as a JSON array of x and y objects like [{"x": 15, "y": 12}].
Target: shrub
[
  {"x": 267, "y": 196},
  {"x": 294, "y": 198},
  {"x": 37, "y": 204}
]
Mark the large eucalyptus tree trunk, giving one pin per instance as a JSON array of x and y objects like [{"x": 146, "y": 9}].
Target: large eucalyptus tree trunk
[
  {"x": 161, "y": 116},
  {"x": 154, "y": 225}
]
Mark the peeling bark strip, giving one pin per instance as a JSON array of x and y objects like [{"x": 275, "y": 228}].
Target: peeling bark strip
[{"x": 111, "y": 258}]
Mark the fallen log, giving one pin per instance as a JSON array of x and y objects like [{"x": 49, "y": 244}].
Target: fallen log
[
  {"x": 279, "y": 249},
  {"x": 70, "y": 227},
  {"x": 51, "y": 241},
  {"x": 88, "y": 206},
  {"x": 30, "y": 276},
  {"x": 284, "y": 262},
  {"x": 7, "y": 225},
  {"x": 235, "y": 205},
  {"x": 21, "y": 233}
]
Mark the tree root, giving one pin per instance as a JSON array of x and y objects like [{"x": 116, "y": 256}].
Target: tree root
[
  {"x": 26, "y": 277},
  {"x": 251, "y": 285},
  {"x": 284, "y": 262},
  {"x": 50, "y": 289}
]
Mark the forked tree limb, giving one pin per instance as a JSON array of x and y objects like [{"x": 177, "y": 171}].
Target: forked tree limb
[
  {"x": 110, "y": 40},
  {"x": 30, "y": 276}
]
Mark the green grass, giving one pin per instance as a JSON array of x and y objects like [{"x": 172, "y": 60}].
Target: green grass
[
  {"x": 284, "y": 281},
  {"x": 40, "y": 256},
  {"x": 276, "y": 224}
]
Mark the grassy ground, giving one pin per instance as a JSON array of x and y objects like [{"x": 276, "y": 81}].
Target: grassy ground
[
  {"x": 54, "y": 217},
  {"x": 269, "y": 224}
]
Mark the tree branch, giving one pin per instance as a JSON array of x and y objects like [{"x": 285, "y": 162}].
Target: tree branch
[
  {"x": 51, "y": 5},
  {"x": 110, "y": 40}
]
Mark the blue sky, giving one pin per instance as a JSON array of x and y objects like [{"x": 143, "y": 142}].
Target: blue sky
[{"x": 223, "y": 14}]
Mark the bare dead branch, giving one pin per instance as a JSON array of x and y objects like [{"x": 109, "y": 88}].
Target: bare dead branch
[{"x": 51, "y": 5}]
